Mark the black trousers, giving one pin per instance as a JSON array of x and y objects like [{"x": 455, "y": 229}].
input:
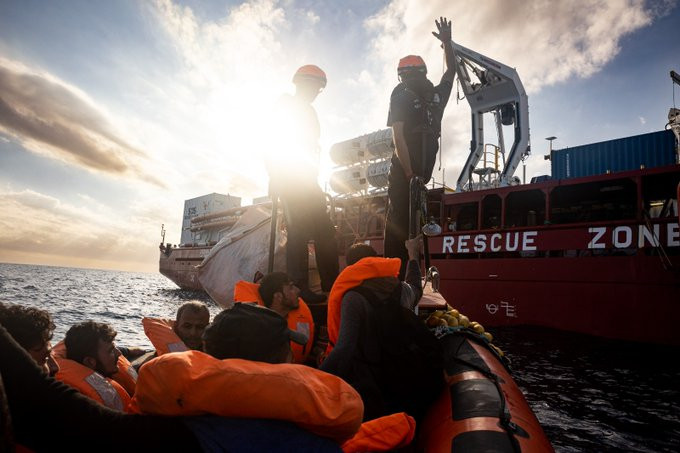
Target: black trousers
[
  {"x": 397, "y": 219},
  {"x": 306, "y": 217}
]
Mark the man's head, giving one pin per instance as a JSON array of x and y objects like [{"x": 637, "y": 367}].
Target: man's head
[
  {"x": 91, "y": 344},
  {"x": 32, "y": 328},
  {"x": 359, "y": 251},
  {"x": 192, "y": 318},
  {"x": 309, "y": 80},
  {"x": 279, "y": 293},
  {"x": 249, "y": 332},
  {"x": 411, "y": 67}
]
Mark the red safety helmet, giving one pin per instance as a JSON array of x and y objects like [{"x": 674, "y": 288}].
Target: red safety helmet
[
  {"x": 411, "y": 63},
  {"x": 310, "y": 72}
]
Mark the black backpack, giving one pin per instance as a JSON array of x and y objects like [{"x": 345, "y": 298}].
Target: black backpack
[{"x": 410, "y": 371}]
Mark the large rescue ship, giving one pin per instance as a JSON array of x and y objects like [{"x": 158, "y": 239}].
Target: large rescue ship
[
  {"x": 204, "y": 222},
  {"x": 593, "y": 248}
]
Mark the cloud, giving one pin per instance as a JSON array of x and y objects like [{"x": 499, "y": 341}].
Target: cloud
[
  {"x": 41, "y": 226},
  {"x": 50, "y": 117},
  {"x": 547, "y": 42}
]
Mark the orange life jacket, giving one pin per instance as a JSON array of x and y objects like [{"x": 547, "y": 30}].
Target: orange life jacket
[
  {"x": 350, "y": 277},
  {"x": 126, "y": 375},
  {"x": 88, "y": 382},
  {"x": 383, "y": 434},
  {"x": 194, "y": 383},
  {"x": 162, "y": 336},
  {"x": 299, "y": 319}
]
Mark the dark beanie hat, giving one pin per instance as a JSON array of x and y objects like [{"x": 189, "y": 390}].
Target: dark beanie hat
[{"x": 249, "y": 332}]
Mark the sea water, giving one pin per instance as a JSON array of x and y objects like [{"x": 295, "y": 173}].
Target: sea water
[{"x": 589, "y": 394}]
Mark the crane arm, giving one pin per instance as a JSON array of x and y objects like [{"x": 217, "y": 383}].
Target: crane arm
[{"x": 497, "y": 88}]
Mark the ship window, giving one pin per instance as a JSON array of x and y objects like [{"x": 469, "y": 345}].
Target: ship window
[
  {"x": 491, "y": 211},
  {"x": 659, "y": 195},
  {"x": 463, "y": 217},
  {"x": 525, "y": 208},
  {"x": 594, "y": 201}
]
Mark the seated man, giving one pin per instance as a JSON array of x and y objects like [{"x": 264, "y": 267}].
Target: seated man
[
  {"x": 89, "y": 361},
  {"x": 44, "y": 412},
  {"x": 32, "y": 328},
  {"x": 250, "y": 332},
  {"x": 368, "y": 309},
  {"x": 246, "y": 372},
  {"x": 192, "y": 318},
  {"x": 182, "y": 334},
  {"x": 277, "y": 292}
]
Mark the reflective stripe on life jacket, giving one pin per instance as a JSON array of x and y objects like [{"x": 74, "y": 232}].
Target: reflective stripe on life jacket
[
  {"x": 383, "y": 434},
  {"x": 350, "y": 277},
  {"x": 194, "y": 383},
  {"x": 126, "y": 375},
  {"x": 88, "y": 382},
  {"x": 299, "y": 319},
  {"x": 162, "y": 336}
]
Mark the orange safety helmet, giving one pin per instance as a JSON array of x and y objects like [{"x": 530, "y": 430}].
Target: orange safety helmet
[
  {"x": 411, "y": 63},
  {"x": 310, "y": 72}
]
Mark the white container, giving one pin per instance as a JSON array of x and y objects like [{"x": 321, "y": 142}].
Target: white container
[
  {"x": 380, "y": 143},
  {"x": 349, "y": 180},
  {"x": 200, "y": 206},
  {"x": 377, "y": 173},
  {"x": 349, "y": 152}
]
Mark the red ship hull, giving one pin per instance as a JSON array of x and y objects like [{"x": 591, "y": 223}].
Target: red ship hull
[
  {"x": 598, "y": 255},
  {"x": 626, "y": 298}
]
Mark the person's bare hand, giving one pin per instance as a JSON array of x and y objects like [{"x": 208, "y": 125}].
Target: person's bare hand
[
  {"x": 444, "y": 29},
  {"x": 414, "y": 246}
]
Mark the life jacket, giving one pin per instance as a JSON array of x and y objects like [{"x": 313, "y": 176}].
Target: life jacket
[
  {"x": 350, "y": 277},
  {"x": 195, "y": 383},
  {"x": 162, "y": 336},
  {"x": 126, "y": 375},
  {"x": 299, "y": 319},
  {"x": 105, "y": 391},
  {"x": 383, "y": 434}
]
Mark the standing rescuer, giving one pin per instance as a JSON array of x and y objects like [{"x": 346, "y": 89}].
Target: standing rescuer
[
  {"x": 293, "y": 174},
  {"x": 415, "y": 115}
]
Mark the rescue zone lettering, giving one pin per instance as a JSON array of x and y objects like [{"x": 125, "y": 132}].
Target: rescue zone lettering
[
  {"x": 622, "y": 236},
  {"x": 509, "y": 242}
]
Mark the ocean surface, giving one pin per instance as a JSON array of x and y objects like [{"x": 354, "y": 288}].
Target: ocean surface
[{"x": 590, "y": 394}]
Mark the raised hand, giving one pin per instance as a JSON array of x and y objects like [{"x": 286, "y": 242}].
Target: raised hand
[{"x": 444, "y": 30}]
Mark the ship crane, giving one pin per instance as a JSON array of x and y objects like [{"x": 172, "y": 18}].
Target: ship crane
[{"x": 497, "y": 90}]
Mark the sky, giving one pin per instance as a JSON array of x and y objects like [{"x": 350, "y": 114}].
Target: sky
[{"x": 113, "y": 113}]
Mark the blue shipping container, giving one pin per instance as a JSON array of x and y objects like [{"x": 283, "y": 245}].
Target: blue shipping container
[{"x": 631, "y": 153}]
